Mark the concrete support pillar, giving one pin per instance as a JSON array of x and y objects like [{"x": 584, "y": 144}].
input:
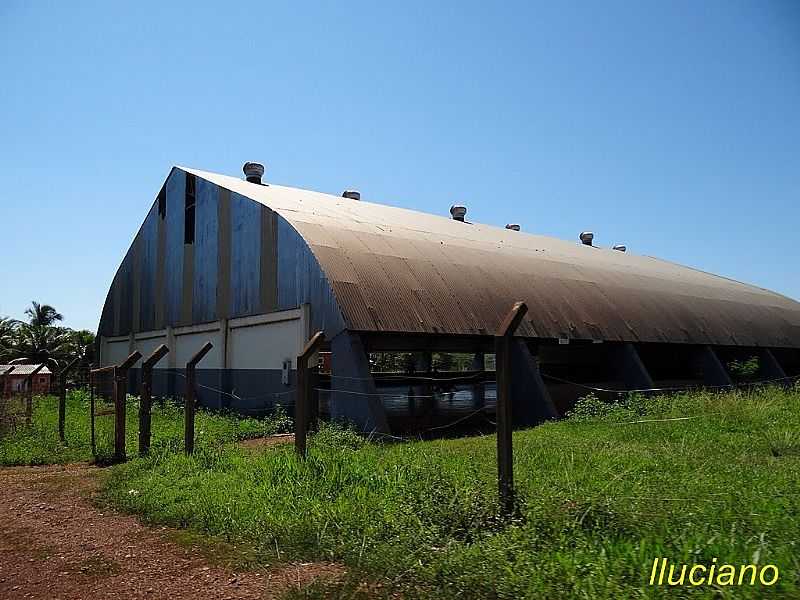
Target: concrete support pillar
[
  {"x": 172, "y": 362},
  {"x": 224, "y": 379},
  {"x": 423, "y": 362},
  {"x": 770, "y": 367},
  {"x": 628, "y": 367},
  {"x": 353, "y": 394},
  {"x": 479, "y": 387},
  {"x": 530, "y": 400},
  {"x": 714, "y": 373}
]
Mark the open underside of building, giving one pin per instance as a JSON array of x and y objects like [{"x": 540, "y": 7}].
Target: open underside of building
[{"x": 256, "y": 269}]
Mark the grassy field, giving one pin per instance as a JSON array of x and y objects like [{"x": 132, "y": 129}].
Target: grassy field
[
  {"x": 601, "y": 495},
  {"x": 39, "y": 444}
]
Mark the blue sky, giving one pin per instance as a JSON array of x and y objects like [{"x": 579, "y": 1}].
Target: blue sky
[{"x": 672, "y": 127}]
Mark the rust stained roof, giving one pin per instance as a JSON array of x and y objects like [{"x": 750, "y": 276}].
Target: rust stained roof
[
  {"x": 397, "y": 270},
  {"x": 20, "y": 370}
]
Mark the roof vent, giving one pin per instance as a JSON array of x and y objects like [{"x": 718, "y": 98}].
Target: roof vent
[
  {"x": 253, "y": 172},
  {"x": 620, "y": 247},
  {"x": 513, "y": 226},
  {"x": 352, "y": 194},
  {"x": 458, "y": 212},
  {"x": 586, "y": 238}
]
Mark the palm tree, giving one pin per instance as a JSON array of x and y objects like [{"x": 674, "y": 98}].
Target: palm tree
[
  {"x": 8, "y": 328},
  {"x": 42, "y": 344},
  {"x": 43, "y": 314}
]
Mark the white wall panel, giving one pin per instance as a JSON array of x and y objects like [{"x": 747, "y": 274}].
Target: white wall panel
[
  {"x": 115, "y": 352},
  {"x": 265, "y": 346},
  {"x": 189, "y": 344},
  {"x": 146, "y": 347}
]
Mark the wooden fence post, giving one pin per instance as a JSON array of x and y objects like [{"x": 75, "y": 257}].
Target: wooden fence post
[
  {"x": 62, "y": 397},
  {"x": 505, "y": 459},
  {"x": 91, "y": 409},
  {"x": 120, "y": 404},
  {"x": 145, "y": 400},
  {"x": 305, "y": 393},
  {"x": 189, "y": 397},
  {"x": 28, "y": 384}
]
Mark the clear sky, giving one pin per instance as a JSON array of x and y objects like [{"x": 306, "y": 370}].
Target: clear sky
[{"x": 672, "y": 127}]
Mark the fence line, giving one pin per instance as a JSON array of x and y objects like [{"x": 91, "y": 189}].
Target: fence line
[{"x": 687, "y": 388}]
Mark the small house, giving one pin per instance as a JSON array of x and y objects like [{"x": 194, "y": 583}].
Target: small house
[{"x": 14, "y": 377}]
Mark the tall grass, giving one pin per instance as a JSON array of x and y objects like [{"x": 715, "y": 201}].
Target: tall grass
[
  {"x": 39, "y": 443},
  {"x": 600, "y": 496}
]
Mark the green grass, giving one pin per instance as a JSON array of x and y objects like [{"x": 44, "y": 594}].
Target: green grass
[
  {"x": 600, "y": 496},
  {"x": 39, "y": 443}
]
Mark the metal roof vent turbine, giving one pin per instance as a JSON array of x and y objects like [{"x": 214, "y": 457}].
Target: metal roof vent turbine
[
  {"x": 619, "y": 247},
  {"x": 253, "y": 172},
  {"x": 513, "y": 226},
  {"x": 586, "y": 238},
  {"x": 352, "y": 194},
  {"x": 458, "y": 212}
]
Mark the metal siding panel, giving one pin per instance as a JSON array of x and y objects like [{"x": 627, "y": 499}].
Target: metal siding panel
[
  {"x": 159, "y": 302},
  {"x": 300, "y": 280},
  {"x": 125, "y": 294},
  {"x": 187, "y": 286},
  {"x": 106, "y": 326},
  {"x": 116, "y": 302},
  {"x": 173, "y": 258},
  {"x": 147, "y": 266},
  {"x": 206, "y": 252},
  {"x": 290, "y": 248},
  {"x": 268, "y": 285},
  {"x": 224, "y": 256},
  {"x": 245, "y": 255},
  {"x": 137, "y": 276}
]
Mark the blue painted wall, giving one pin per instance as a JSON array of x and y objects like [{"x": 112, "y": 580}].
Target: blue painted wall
[
  {"x": 302, "y": 281},
  {"x": 245, "y": 255},
  {"x": 147, "y": 267},
  {"x": 206, "y": 246},
  {"x": 298, "y": 276},
  {"x": 173, "y": 259}
]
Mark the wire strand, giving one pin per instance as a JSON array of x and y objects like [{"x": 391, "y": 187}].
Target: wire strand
[{"x": 672, "y": 389}]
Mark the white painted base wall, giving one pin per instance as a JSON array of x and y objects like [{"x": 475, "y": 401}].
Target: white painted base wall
[{"x": 259, "y": 342}]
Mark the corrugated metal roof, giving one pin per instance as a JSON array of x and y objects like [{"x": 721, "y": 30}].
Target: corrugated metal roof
[
  {"x": 22, "y": 369},
  {"x": 397, "y": 270}
]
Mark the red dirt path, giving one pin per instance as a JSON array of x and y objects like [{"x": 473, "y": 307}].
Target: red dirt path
[{"x": 54, "y": 543}]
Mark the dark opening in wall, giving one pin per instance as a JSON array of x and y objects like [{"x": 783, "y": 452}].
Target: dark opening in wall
[
  {"x": 162, "y": 203},
  {"x": 188, "y": 228}
]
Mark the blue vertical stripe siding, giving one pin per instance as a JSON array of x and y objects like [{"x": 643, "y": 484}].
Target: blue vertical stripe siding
[
  {"x": 147, "y": 264},
  {"x": 290, "y": 248},
  {"x": 106, "y": 327},
  {"x": 173, "y": 261},
  {"x": 245, "y": 255},
  {"x": 302, "y": 281},
  {"x": 126, "y": 293},
  {"x": 204, "y": 297},
  {"x": 299, "y": 278}
]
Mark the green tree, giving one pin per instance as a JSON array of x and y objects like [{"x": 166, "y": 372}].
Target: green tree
[
  {"x": 42, "y": 314},
  {"x": 79, "y": 340},
  {"x": 8, "y": 328},
  {"x": 40, "y": 340},
  {"x": 41, "y": 344}
]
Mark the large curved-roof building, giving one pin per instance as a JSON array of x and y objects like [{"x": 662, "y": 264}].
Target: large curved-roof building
[{"x": 256, "y": 268}]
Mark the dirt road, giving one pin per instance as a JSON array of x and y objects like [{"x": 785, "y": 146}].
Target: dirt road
[{"x": 55, "y": 543}]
